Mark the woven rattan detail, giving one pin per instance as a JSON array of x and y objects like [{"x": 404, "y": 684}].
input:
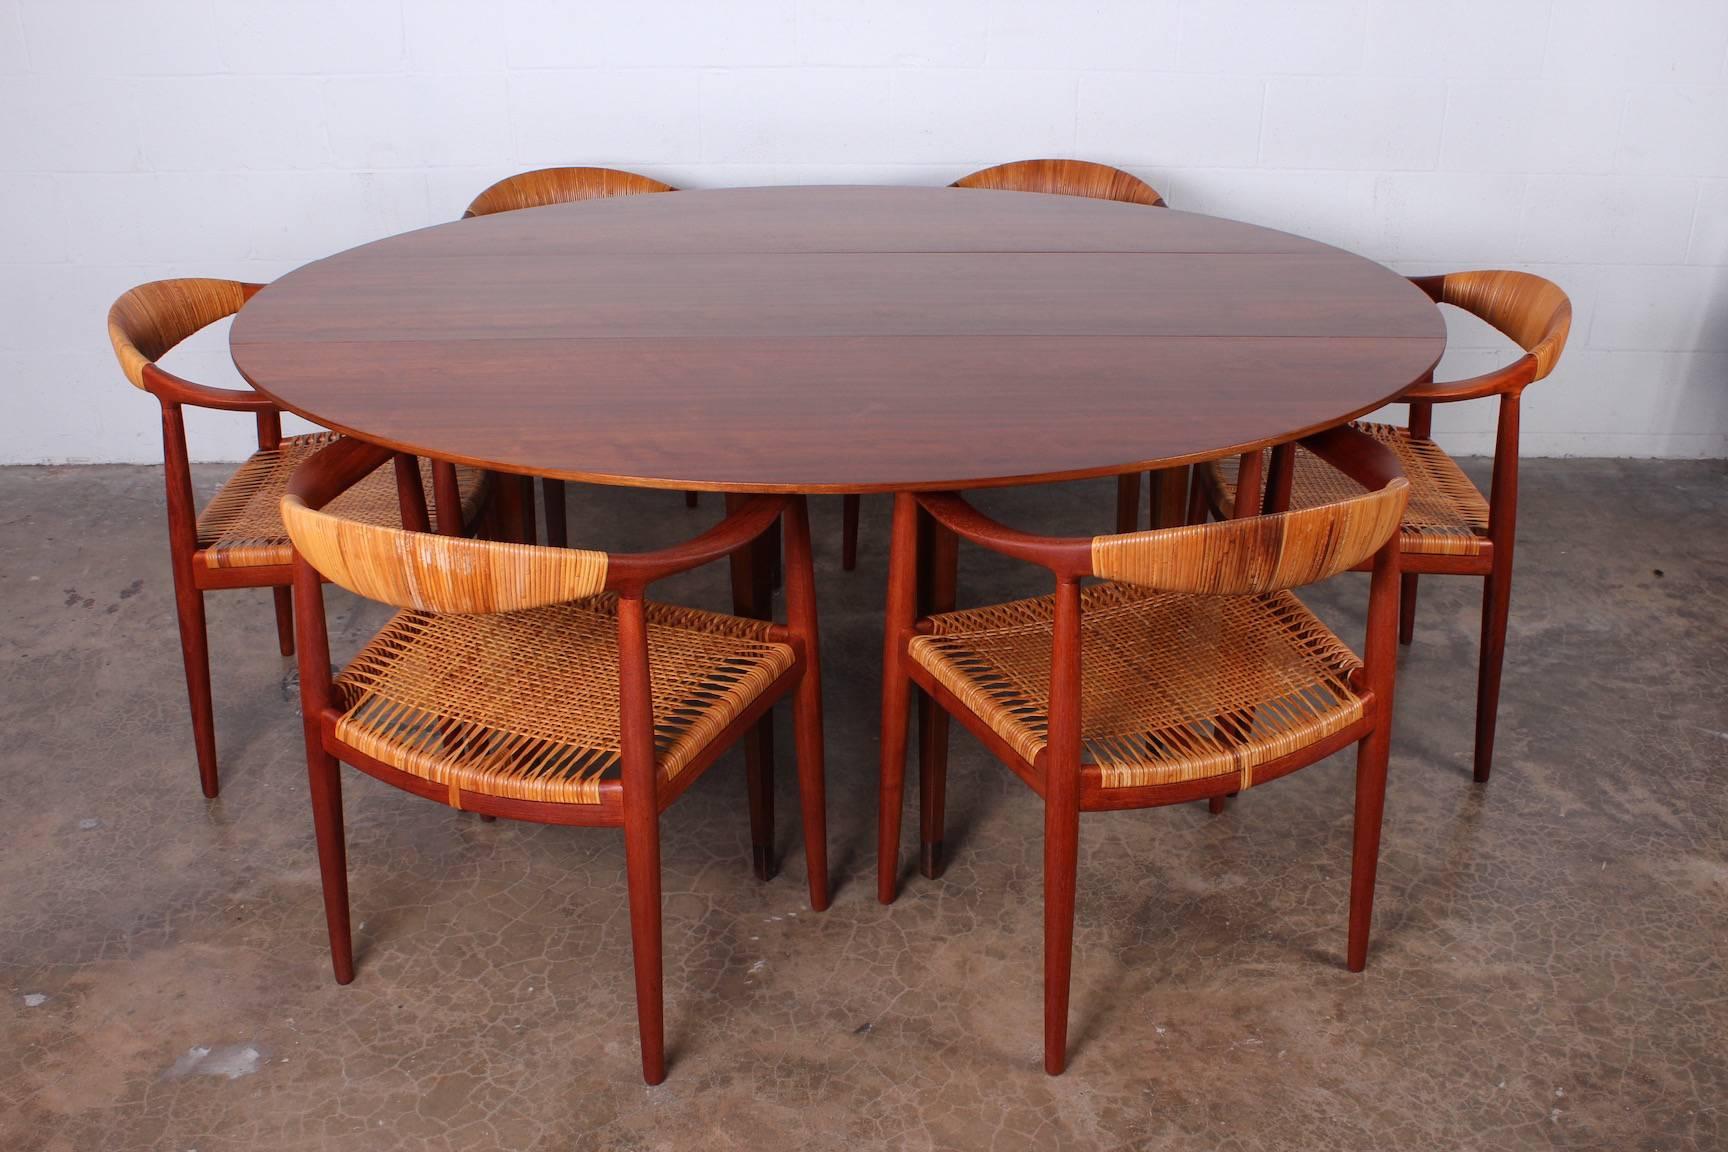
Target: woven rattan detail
[
  {"x": 1532, "y": 311},
  {"x": 1173, "y": 687},
  {"x": 525, "y": 704},
  {"x": 1065, "y": 178},
  {"x": 242, "y": 527},
  {"x": 150, "y": 319},
  {"x": 1446, "y": 515},
  {"x": 1256, "y": 554},
  {"x": 560, "y": 186},
  {"x": 440, "y": 573}
]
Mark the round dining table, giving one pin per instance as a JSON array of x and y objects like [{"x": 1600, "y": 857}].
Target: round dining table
[{"x": 836, "y": 339}]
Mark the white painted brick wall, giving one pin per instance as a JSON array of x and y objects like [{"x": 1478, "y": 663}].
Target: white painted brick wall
[{"x": 1583, "y": 139}]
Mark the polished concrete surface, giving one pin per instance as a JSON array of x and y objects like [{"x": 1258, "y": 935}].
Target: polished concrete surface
[{"x": 1550, "y": 957}]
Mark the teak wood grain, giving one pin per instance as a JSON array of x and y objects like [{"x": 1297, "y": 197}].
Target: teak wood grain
[{"x": 881, "y": 339}]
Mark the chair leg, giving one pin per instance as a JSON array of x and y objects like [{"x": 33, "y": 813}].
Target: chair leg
[
  {"x": 692, "y": 499},
  {"x": 1196, "y": 500},
  {"x": 1061, "y": 860},
  {"x": 557, "y": 531},
  {"x": 849, "y": 508},
  {"x": 195, "y": 654},
  {"x": 324, "y": 775},
  {"x": 932, "y": 783},
  {"x": 896, "y": 692},
  {"x": 642, "y": 875},
  {"x": 284, "y": 620},
  {"x": 812, "y": 791},
  {"x": 1496, "y": 598},
  {"x": 1128, "y": 502},
  {"x": 759, "y": 776},
  {"x": 1407, "y": 608},
  {"x": 1371, "y": 756},
  {"x": 776, "y": 566}
]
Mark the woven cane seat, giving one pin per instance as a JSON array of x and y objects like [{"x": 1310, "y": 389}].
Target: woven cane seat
[
  {"x": 525, "y": 704},
  {"x": 1174, "y": 687},
  {"x": 242, "y": 526},
  {"x": 1446, "y": 516}
]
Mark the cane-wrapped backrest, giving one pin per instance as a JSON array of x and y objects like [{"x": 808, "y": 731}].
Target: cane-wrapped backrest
[
  {"x": 1065, "y": 178},
  {"x": 1532, "y": 312},
  {"x": 152, "y": 318},
  {"x": 1256, "y": 553},
  {"x": 560, "y": 186},
  {"x": 439, "y": 573}
]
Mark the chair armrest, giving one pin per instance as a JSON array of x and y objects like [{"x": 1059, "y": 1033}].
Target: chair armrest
[
  {"x": 630, "y": 572},
  {"x": 173, "y": 389},
  {"x": 1511, "y": 378},
  {"x": 1065, "y": 556}
]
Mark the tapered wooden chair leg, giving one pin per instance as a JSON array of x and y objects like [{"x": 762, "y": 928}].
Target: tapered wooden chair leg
[
  {"x": 1371, "y": 757},
  {"x": 1407, "y": 608},
  {"x": 1061, "y": 859},
  {"x": 1168, "y": 498},
  {"x": 1196, "y": 513},
  {"x": 526, "y": 531},
  {"x": 896, "y": 693},
  {"x": 849, "y": 508},
  {"x": 324, "y": 776},
  {"x": 812, "y": 789},
  {"x": 770, "y": 543},
  {"x": 284, "y": 620},
  {"x": 1496, "y": 598},
  {"x": 1128, "y": 502},
  {"x": 903, "y": 564},
  {"x": 195, "y": 654},
  {"x": 801, "y": 616},
  {"x": 941, "y": 586},
  {"x": 642, "y": 875},
  {"x": 557, "y": 530},
  {"x": 1216, "y": 804},
  {"x": 759, "y": 776},
  {"x": 932, "y": 786}
]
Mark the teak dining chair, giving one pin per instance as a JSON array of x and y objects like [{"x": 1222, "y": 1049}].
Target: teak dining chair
[
  {"x": 562, "y": 186},
  {"x": 1191, "y": 672},
  {"x": 1450, "y": 528},
  {"x": 238, "y": 541},
  {"x": 1058, "y": 178},
  {"x": 538, "y": 684}
]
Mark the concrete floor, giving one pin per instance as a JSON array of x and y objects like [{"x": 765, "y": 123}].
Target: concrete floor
[{"x": 1550, "y": 964}]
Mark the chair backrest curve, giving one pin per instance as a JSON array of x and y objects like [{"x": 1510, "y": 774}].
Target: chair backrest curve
[
  {"x": 560, "y": 186},
  {"x": 1065, "y": 178},
  {"x": 1533, "y": 312},
  {"x": 147, "y": 321},
  {"x": 1256, "y": 553},
  {"x": 436, "y": 573}
]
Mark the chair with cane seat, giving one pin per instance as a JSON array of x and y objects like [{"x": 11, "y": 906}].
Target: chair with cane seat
[
  {"x": 538, "y": 684},
  {"x": 1192, "y": 671},
  {"x": 1449, "y": 528},
  {"x": 1080, "y": 178},
  {"x": 238, "y": 541}
]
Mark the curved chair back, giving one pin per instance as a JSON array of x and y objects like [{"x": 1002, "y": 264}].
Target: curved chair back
[
  {"x": 420, "y": 570},
  {"x": 1254, "y": 554},
  {"x": 147, "y": 321},
  {"x": 1531, "y": 311},
  {"x": 1065, "y": 178},
  {"x": 560, "y": 186}
]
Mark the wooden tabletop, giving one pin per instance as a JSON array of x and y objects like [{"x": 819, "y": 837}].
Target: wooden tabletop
[{"x": 836, "y": 339}]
